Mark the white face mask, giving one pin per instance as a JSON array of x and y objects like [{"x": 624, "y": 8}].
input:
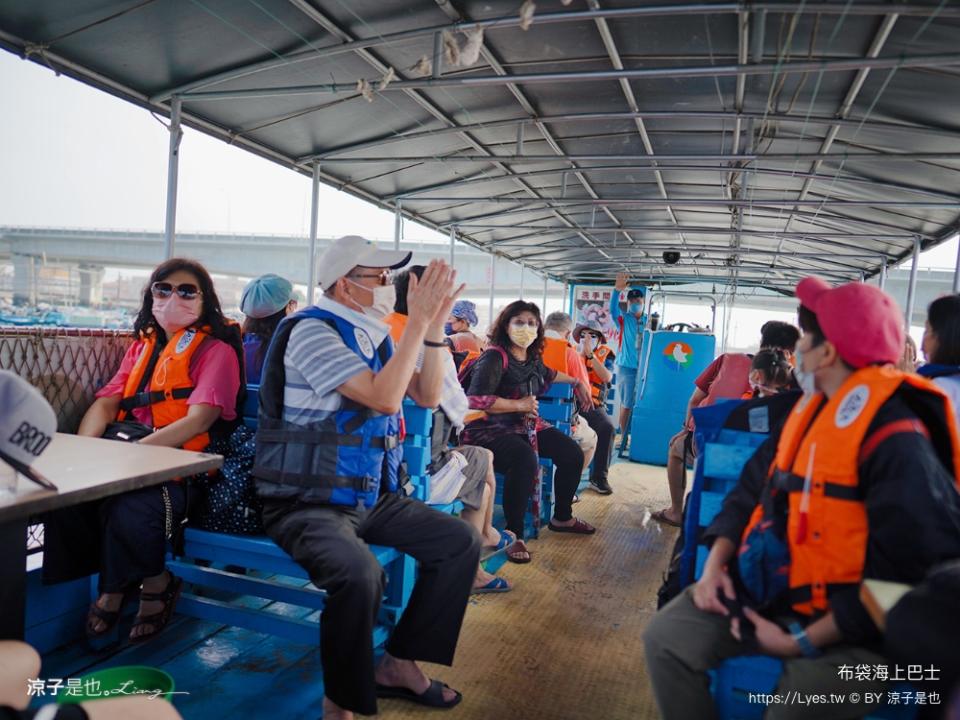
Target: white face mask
[
  {"x": 588, "y": 343},
  {"x": 384, "y": 299},
  {"x": 806, "y": 380}
]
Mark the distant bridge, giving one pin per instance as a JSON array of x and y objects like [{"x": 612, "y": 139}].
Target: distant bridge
[
  {"x": 227, "y": 254},
  {"x": 250, "y": 255}
]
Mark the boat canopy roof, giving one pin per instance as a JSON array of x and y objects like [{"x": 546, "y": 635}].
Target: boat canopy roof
[{"x": 763, "y": 141}]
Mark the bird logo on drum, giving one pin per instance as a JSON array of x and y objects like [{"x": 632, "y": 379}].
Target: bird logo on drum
[{"x": 677, "y": 355}]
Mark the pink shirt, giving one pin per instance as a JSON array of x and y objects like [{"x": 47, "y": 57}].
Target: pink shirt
[{"x": 214, "y": 371}]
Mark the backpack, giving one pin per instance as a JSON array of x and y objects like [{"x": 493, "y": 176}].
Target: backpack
[
  {"x": 227, "y": 502},
  {"x": 465, "y": 374}
]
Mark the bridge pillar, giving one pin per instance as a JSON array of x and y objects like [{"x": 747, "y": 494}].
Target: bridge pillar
[
  {"x": 24, "y": 280},
  {"x": 91, "y": 285}
]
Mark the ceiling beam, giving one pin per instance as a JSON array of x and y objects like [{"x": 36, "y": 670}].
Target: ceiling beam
[
  {"x": 673, "y": 157},
  {"x": 575, "y": 76},
  {"x": 878, "y": 125}
]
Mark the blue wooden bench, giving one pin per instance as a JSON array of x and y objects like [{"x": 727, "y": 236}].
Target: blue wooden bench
[
  {"x": 418, "y": 423},
  {"x": 721, "y": 454},
  {"x": 287, "y": 582}
]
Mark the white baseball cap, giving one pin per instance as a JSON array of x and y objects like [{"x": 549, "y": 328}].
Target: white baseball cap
[
  {"x": 350, "y": 251},
  {"x": 27, "y": 426}
]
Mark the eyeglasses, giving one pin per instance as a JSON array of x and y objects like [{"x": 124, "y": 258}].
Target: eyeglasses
[
  {"x": 187, "y": 291},
  {"x": 384, "y": 276}
]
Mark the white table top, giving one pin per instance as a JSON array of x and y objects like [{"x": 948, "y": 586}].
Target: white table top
[{"x": 85, "y": 468}]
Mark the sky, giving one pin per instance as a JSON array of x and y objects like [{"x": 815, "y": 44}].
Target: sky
[
  {"x": 78, "y": 157},
  {"x": 74, "y": 156}
]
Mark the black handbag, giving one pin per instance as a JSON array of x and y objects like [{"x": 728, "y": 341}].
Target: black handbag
[{"x": 127, "y": 431}]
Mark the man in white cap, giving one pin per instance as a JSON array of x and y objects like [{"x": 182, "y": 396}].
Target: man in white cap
[
  {"x": 27, "y": 426},
  {"x": 328, "y": 454}
]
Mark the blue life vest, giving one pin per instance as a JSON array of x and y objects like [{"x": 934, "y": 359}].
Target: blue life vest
[
  {"x": 337, "y": 461},
  {"x": 932, "y": 371}
]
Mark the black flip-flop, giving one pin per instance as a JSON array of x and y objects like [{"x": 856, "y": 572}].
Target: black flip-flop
[{"x": 431, "y": 697}]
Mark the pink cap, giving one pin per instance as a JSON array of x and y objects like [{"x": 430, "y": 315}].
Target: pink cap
[{"x": 863, "y": 322}]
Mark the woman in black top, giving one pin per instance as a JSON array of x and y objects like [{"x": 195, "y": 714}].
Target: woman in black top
[{"x": 504, "y": 384}]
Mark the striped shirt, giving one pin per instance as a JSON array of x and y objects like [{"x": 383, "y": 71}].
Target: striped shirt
[{"x": 316, "y": 362}]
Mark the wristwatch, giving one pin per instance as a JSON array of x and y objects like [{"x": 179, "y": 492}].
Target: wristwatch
[{"x": 807, "y": 648}]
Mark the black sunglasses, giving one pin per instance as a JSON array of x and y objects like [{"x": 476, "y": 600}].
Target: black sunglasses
[{"x": 188, "y": 291}]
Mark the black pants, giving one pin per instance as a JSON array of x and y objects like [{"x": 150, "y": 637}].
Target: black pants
[
  {"x": 514, "y": 457},
  {"x": 330, "y": 543},
  {"x": 122, "y": 537},
  {"x": 600, "y": 422}
]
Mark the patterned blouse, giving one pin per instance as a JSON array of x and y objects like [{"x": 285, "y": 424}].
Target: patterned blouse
[{"x": 490, "y": 381}]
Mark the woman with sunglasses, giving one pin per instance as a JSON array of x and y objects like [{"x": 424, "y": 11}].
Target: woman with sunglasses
[
  {"x": 181, "y": 378},
  {"x": 504, "y": 383}
]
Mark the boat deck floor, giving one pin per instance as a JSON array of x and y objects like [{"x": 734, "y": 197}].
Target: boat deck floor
[{"x": 565, "y": 643}]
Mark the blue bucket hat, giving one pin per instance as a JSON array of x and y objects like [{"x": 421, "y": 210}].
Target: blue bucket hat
[
  {"x": 465, "y": 310},
  {"x": 266, "y": 295}
]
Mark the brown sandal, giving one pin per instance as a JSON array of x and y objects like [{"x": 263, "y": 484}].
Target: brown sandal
[
  {"x": 108, "y": 617},
  {"x": 579, "y": 527},
  {"x": 158, "y": 620},
  {"x": 515, "y": 554}
]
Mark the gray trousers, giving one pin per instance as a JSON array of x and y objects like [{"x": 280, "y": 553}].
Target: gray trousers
[
  {"x": 683, "y": 642},
  {"x": 330, "y": 543}
]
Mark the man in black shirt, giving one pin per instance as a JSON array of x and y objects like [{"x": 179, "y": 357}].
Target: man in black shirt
[{"x": 860, "y": 481}]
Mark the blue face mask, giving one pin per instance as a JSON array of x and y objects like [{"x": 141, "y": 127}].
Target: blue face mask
[
  {"x": 635, "y": 308},
  {"x": 448, "y": 329}
]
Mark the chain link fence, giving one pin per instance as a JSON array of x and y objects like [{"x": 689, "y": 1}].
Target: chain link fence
[{"x": 67, "y": 365}]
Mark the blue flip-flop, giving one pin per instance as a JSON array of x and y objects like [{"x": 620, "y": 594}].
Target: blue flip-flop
[
  {"x": 497, "y": 585},
  {"x": 506, "y": 540}
]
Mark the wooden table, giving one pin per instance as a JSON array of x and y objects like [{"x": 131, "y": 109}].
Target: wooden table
[
  {"x": 83, "y": 469},
  {"x": 878, "y": 596}
]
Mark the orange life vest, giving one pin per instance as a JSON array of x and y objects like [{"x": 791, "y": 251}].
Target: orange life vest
[
  {"x": 828, "y": 542},
  {"x": 598, "y": 388},
  {"x": 397, "y": 323},
  {"x": 555, "y": 354},
  {"x": 167, "y": 392}
]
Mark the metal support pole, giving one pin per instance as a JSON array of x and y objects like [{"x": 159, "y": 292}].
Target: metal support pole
[
  {"x": 563, "y": 300},
  {"x": 173, "y": 166},
  {"x": 397, "y": 225},
  {"x": 437, "y": 54},
  {"x": 546, "y": 280},
  {"x": 493, "y": 282},
  {"x": 453, "y": 244},
  {"x": 522, "y": 268},
  {"x": 883, "y": 275},
  {"x": 956, "y": 271},
  {"x": 912, "y": 287},
  {"x": 314, "y": 216}
]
